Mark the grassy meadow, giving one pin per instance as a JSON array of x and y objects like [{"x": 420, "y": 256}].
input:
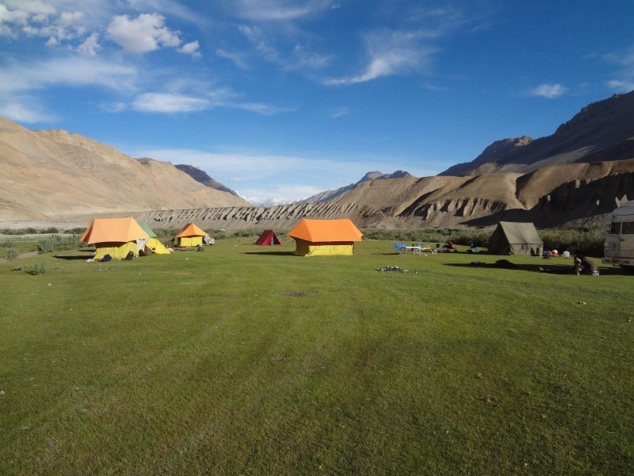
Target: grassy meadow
[{"x": 248, "y": 360}]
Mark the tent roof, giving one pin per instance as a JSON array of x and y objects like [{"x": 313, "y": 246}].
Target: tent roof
[
  {"x": 325, "y": 231},
  {"x": 147, "y": 229},
  {"x": 267, "y": 235},
  {"x": 190, "y": 230},
  {"x": 113, "y": 230},
  {"x": 518, "y": 233}
]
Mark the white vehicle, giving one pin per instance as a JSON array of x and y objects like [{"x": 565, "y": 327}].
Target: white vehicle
[{"x": 619, "y": 243}]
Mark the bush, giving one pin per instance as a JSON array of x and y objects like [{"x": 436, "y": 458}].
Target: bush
[
  {"x": 57, "y": 243},
  {"x": 587, "y": 241},
  {"x": 11, "y": 254},
  {"x": 38, "y": 268},
  {"x": 7, "y": 244}
]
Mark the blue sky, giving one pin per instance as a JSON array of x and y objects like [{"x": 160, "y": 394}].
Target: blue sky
[{"x": 282, "y": 99}]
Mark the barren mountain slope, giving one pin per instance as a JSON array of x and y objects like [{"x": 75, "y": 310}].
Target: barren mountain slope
[
  {"x": 601, "y": 131},
  {"x": 55, "y": 173}
]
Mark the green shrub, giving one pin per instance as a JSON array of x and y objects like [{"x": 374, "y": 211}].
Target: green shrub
[
  {"x": 38, "y": 268},
  {"x": 57, "y": 243},
  {"x": 11, "y": 254},
  {"x": 6, "y": 244}
]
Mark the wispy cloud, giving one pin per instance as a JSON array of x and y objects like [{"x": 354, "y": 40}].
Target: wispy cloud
[
  {"x": 279, "y": 10},
  {"x": 339, "y": 112},
  {"x": 548, "y": 90},
  {"x": 169, "y": 103},
  {"x": 300, "y": 57},
  {"x": 391, "y": 52},
  {"x": 624, "y": 80},
  {"x": 19, "y": 82},
  {"x": 75, "y": 71},
  {"x": 176, "y": 102}
]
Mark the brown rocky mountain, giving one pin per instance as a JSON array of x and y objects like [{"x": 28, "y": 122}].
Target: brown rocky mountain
[
  {"x": 374, "y": 175},
  {"x": 202, "y": 177},
  {"x": 576, "y": 176},
  {"x": 52, "y": 174},
  {"x": 601, "y": 131}
]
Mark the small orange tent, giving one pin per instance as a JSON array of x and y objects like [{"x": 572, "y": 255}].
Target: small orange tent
[
  {"x": 268, "y": 237},
  {"x": 325, "y": 237},
  {"x": 114, "y": 236},
  {"x": 190, "y": 235}
]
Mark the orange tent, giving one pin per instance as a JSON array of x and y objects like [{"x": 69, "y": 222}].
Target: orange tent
[
  {"x": 114, "y": 236},
  {"x": 325, "y": 237},
  {"x": 190, "y": 235}
]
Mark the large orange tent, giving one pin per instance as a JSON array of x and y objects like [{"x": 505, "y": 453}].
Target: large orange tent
[
  {"x": 325, "y": 237},
  {"x": 190, "y": 235},
  {"x": 115, "y": 237}
]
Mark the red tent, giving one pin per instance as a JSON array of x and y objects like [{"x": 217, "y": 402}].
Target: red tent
[{"x": 268, "y": 237}]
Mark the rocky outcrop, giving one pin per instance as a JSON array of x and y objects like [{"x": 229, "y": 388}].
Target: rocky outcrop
[{"x": 552, "y": 196}]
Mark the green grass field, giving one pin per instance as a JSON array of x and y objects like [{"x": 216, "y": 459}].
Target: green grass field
[{"x": 249, "y": 360}]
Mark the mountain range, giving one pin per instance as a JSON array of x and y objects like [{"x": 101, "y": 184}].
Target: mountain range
[{"x": 574, "y": 176}]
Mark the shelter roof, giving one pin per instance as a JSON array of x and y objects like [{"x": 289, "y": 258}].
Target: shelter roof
[
  {"x": 113, "y": 230},
  {"x": 147, "y": 229},
  {"x": 325, "y": 231},
  {"x": 517, "y": 232},
  {"x": 190, "y": 230}
]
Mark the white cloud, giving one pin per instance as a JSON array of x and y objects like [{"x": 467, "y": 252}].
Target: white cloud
[
  {"x": 279, "y": 10},
  {"x": 169, "y": 103},
  {"x": 391, "y": 52},
  {"x": 621, "y": 86},
  {"x": 68, "y": 71},
  {"x": 339, "y": 112},
  {"x": 299, "y": 57},
  {"x": 24, "y": 113},
  {"x": 256, "y": 37},
  {"x": 19, "y": 81},
  {"x": 17, "y": 14},
  {"x": 549, "y": 91},
  {"x": 238, "y": 59},
  {"x": 90, "y": 46},
  {"x": 305, "y": 58},
  {"x": 625, "y": 82},
  {"x": 192, "y": 48},
  {"x": 145, "y": 33}
]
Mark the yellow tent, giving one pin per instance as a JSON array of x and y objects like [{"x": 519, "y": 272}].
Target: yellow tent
[
  {"x": 190, "y": 235},
  {"x": 153, "y": 245},
  {"x": 114, "y": 236},
  {"x": 325, "y": 237}
]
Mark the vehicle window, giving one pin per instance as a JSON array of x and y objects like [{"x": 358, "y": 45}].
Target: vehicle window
[
  {"x": 628, "y": 228},
  {"x": 615, "y": 228}
]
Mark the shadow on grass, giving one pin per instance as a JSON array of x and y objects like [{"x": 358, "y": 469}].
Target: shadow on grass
[
  {"x": 542, "y": 267},
  {"x": 72, "y": 257},
  {"x": 271, "y": 253},
  {"x": 88, "y": 253}
]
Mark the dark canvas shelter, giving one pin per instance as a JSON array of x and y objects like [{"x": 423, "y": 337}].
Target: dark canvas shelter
[
  {"x": 513, "y": 238},
  {"x": 268, "y": 237}
]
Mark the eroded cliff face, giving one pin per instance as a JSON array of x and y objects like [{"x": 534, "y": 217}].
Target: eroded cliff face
[{"x": 553, "y": 196}]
